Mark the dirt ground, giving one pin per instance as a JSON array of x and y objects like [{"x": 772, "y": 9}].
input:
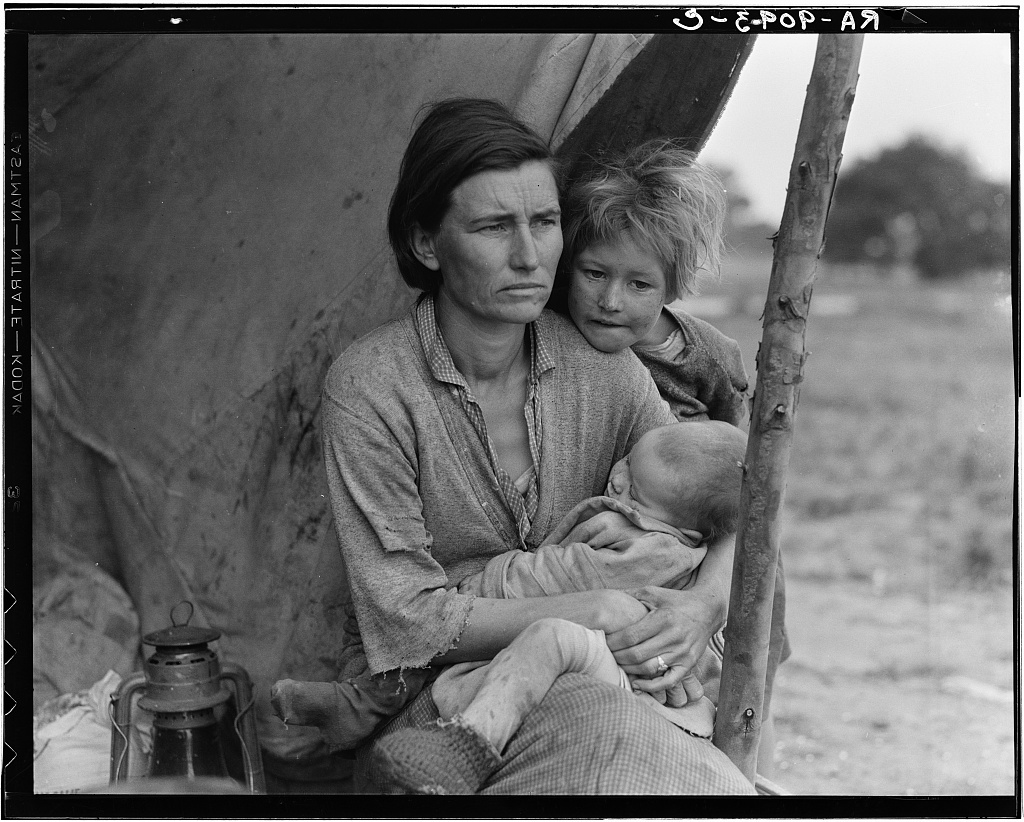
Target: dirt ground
[
  {"x": 897, "y": 534},
  {"x": 929, "y": 711}
]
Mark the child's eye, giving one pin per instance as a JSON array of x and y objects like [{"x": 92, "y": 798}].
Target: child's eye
[
  {"x": 640, "y": 285},
  {"x": 592, "y": 274}
]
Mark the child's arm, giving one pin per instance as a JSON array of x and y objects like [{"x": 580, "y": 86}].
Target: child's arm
[
  {"x": 582, "y": 524},
  {"x": 647, "y": 558},
  {"x": 603, "y": 530}
]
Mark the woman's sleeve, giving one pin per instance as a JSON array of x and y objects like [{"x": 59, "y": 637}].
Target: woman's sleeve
[
  {"x": 406, "y": 615},
  {"x": 652, "y": 411}
]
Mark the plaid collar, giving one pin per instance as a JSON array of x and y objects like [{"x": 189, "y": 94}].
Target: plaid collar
[{"x": 439, "y": 358}]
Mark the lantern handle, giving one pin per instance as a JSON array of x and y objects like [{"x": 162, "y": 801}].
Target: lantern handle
[
  {"x": 191, "y": 611},
  {"x": 120, "y": 711}
]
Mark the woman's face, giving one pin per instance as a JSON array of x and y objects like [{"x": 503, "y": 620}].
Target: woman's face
[
  {"x": 498, "y": 245},
  {"x": 616, "y": 291}
]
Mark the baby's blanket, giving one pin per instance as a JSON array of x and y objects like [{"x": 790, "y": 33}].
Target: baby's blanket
[{"x": 633, "y": 550}]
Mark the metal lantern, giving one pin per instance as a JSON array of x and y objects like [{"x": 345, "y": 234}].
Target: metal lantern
[{"x": 182, "y": 685}]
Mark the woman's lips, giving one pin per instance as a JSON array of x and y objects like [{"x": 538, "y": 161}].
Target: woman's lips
[{"x": 525, "y": 287}]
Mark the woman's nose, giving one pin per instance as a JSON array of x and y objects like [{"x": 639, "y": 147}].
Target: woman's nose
[{"x": 524, "y": 250}]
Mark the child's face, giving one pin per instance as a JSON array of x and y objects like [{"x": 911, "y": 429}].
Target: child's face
[
  {"x": 640, "y": 480},
  {"x": 616, "y": 291}
]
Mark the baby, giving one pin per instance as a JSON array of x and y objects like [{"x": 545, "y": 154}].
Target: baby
[
  {"x": 676, "y": 490},
  {"x": 680, "y": 484}
]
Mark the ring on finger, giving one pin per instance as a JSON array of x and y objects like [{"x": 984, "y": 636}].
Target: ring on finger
[{"x": 662, "y": 665}]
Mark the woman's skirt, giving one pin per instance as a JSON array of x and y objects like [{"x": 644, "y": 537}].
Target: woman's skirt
[{"x": 586, "y": 738}]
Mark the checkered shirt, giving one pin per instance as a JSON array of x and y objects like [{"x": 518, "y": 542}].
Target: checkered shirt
[{"x": 439, "y": 358}]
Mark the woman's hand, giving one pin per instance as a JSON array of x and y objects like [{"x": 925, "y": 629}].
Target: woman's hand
[
  {"x": 682, "y": 693},
  {"x": 618, "y": 610},
  {"x": 674, "y": 633}
]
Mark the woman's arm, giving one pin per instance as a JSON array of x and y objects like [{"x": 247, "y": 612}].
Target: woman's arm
[
  {"x": 680, "y": 623},
  {"x": 494, "y": 623},
  {"x": 405, "y": 614}
]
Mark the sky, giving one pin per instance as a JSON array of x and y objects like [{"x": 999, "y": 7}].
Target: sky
[{"x": 954, "y": 88}]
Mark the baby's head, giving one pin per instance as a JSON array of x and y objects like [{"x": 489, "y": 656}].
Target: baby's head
[
  {"x": 638, "y": 229},
  {"x": 687, "y": 475}
]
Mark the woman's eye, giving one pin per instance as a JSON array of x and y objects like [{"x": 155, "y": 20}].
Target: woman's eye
[
  {"x": 547, "y": 222},
  {"x": 494, "y": 228}
]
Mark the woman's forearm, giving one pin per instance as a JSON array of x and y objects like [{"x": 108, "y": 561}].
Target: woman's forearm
[
  {"x": 494, "y": 623},
  {"x": 714, "y": 578}
]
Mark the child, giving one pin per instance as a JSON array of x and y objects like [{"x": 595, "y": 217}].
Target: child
[
  {"x": 638, "y": 230},
  {"x": 683, "y": 480}
]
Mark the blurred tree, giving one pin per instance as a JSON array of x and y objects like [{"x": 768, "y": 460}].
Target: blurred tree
[
  {"x": 737, "y": 202},
  {"x": 743, "y": 233},
  {"x": 919, "y": 207}
]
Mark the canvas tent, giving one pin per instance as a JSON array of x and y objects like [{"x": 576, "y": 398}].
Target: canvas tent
[{"x": 207, "y": 236}]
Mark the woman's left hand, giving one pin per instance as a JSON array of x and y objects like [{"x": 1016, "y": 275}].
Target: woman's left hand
[{"x": 674, "y": 633}]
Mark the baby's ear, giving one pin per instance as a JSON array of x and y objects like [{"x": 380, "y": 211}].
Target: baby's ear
[{"x": 423, "y": 247}]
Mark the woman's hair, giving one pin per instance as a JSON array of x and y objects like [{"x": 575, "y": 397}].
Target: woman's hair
[
  {"x": 458, "y": 138},
  {"x": 659, "y": 195}
]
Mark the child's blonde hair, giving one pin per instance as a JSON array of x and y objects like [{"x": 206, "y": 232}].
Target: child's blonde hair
[{"x": 660, "y": 196}]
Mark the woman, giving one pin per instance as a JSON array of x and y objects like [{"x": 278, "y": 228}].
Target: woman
[{"x": 471, "y": 426}]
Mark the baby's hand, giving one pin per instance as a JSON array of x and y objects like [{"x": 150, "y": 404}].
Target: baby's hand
[{"x": 602, "y": 530}]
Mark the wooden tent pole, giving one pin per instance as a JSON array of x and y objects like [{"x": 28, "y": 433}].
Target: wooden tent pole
[{"x": 780, "y": 362}]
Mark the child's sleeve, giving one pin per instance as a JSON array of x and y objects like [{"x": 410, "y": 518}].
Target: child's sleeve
[
  {"x": 729, "y": 400},
  {"x": 651, "y": 558}
]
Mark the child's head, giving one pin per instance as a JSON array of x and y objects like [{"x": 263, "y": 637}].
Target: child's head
[
  {"x": 687, "y": 474},
  {"x": 638, "y": 229}
]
